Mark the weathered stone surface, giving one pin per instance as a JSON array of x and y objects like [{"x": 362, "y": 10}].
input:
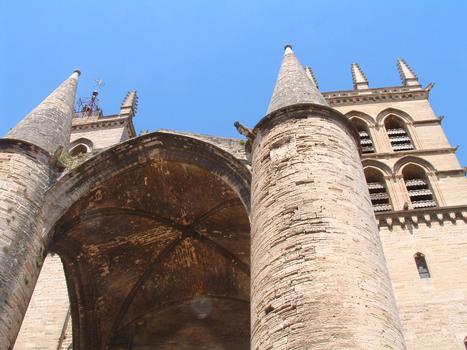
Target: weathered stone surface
[
  {"x": 162, "y": 215},
  {"x": 47, "y": 312},
  {"x": 318, "y": 273},
  {"x": 292, "y": 85},
  {"x": 316, "y": 252},
  {"x": 49, "y": 124},
  {"x": 25, "y": 176}
]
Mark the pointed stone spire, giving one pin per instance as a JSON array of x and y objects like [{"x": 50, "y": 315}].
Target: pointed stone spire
[
  {"x": 292, "y": 85},
  {"x": 360, "y": 82},
  {"x": 311, "y": 76},
  {"x": 408, "y": 77},
  {"x": 49, "y": 124},
  {"x": 129, "y": 105}
]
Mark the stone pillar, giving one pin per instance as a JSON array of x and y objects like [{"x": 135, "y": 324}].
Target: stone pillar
[
  {"x": 24, "y": 177},
  {"x": 318, "y": 274}
]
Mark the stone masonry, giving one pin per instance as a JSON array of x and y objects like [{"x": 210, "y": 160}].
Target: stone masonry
[
  {"x": 27, "y": 170},
  {"x": 161, "y": 248}
]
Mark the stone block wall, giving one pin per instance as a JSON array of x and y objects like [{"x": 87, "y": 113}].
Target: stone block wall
[
  {"x": 101, "y": 137},
  {"x": 318, "y": 273},
  {"x": 433, "y": 310},
  {"x": 25, "y": 175},
  {"x": 45, "y": 319}
]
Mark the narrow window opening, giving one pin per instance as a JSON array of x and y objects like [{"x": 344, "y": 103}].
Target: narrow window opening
[
  {"x": 465, "y": 342},
  {"x": 379, "y": 195},
  {"x": 398, "y": 135},
  {"x": 422, "y": 267},
  {"x": 418, "y": 187}
]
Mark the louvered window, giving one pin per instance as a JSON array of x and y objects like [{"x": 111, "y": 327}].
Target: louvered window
[
  {"x": 379, "y": 195},
  {"x": 418, "y": 187},
  {"x": 365, "y": 139},
  {"x": 398, "y": 135}
]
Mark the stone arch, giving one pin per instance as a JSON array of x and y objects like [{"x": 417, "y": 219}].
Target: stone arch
[
  {"x": 370, "y": 121},
  {"x": 381, "y": 191},
  {"x": 420, "y": 181},
  {"x": 365, "y": 133},
  {"x": 393, "y": 111},
  {"x": 380, "y": 166},
  {"x": 81, "y": 144},
  {"x": 404, "y": 161},
  {"x": 399, "y": 130},
  {"x": 168, "y": 204}
]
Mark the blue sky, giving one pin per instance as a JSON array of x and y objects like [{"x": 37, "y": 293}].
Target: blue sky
[{"x": 200, "y": 65}]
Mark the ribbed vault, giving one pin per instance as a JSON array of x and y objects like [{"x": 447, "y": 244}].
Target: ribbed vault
[{"x": 157, "y": 257}]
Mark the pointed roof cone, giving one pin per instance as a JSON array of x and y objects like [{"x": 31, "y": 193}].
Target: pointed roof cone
[
  {"x": 408, "y": 76},
  {"x": 49, "y": 124},
  {"x": 129, "y": 105},
  {"x": 360, "y": 82},
  {"x": 292, "y": 85},
  {"x": 311, "y": 76}
]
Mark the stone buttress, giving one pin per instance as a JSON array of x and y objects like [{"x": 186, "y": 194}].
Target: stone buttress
[
  {"x": 27, "y": 169},
  {"x": 318, "y": 274}
]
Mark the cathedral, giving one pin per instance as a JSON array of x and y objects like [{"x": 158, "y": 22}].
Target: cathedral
[{"x": 337, "y": 222}]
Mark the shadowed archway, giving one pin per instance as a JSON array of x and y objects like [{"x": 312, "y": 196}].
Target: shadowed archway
[{"x": 156, "y": 253}]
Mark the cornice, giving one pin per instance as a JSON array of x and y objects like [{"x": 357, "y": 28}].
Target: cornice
[
  {"x": 418, "y": 152},
  {"x": 378, "y": 95},
  {"x": 413, "y": 217},
  {"x": 93, "y": 123}
]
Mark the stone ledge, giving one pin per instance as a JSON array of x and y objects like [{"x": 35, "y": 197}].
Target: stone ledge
[
  {"x": 414, "y": 217},
  {"x": 409, "y": 152},
  {"x": 378, "y": 95}
]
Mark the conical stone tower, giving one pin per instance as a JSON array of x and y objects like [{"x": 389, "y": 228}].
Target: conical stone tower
[
  {"x": 318, "y": 274},
  {"x": 27, "y": 169}
]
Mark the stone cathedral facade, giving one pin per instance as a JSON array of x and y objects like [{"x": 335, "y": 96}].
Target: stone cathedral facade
[{"x": 337, "y": 222}]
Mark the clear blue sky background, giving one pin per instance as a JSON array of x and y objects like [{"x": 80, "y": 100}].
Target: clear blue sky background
[{"x": 200, "y": 65}]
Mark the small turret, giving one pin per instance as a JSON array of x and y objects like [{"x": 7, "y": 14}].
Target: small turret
[
  {"x": 408, "y": 76},
  {"x": 360, "y": 82},
  {"x": 49, "y": 124}
]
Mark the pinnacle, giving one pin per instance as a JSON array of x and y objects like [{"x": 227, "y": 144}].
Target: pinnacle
[
  {"x": 293, "y": 86},
  {"x": 408, "y": 76},
  {"x": 49, "y": 124},
  {"x": 359, "y": 78}
]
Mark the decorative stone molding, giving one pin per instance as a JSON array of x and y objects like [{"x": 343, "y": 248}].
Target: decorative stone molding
[
  {"x": 419, "y": 152},
  {"x": 387, "y": 94},
  {"x": 428, "y": 216}
]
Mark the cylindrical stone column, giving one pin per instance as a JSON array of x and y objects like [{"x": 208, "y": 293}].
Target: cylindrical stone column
[
  {"x": 24, "y": 177},
  {"x": 318, "y": 274}
]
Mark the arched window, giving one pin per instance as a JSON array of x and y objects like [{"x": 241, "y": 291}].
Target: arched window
[
  {"x": 465, "y": 342},
  {"x": 397, "y": 133},
  {"x": 379, "y": 195},
  {"x": 365, "y": 138},
  {"x": 422, "y": 267},
  {"x": 79, "y": 150},
  {"x": 418, "y": 187}
]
